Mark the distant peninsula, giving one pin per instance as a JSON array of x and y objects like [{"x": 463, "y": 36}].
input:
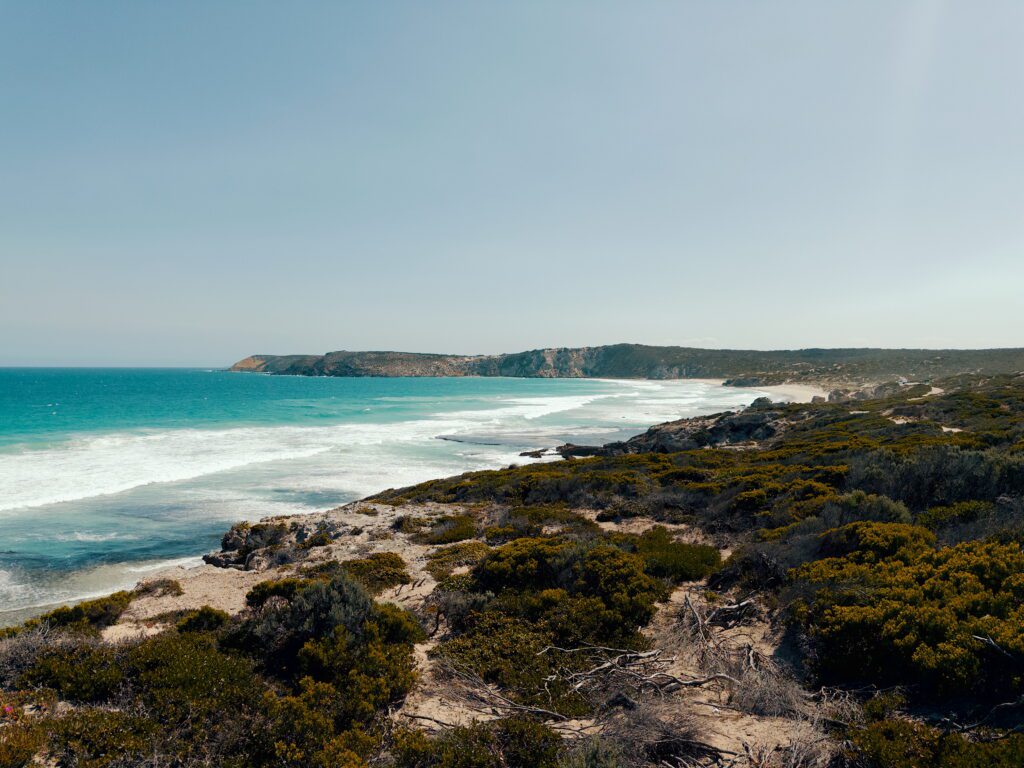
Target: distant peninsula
[{"x": 638, "y": 361}]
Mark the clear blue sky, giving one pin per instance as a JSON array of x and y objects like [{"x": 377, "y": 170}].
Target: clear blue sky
[{"x": 192, "y": 182}]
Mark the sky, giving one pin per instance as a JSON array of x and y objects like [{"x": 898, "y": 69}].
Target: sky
[{"x": 188, "y": 183}]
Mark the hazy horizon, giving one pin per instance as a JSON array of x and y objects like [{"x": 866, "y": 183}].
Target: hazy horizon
[
  {"x": 508, "y": 351},
  {"x": 192, "y": 183}
]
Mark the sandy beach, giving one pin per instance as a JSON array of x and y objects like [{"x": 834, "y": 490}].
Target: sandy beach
[
  {"x": 791, "y": 392},
  {"x": 794, "y": 393}
]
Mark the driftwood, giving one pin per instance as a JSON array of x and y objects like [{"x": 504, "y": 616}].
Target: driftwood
[
  {"x": 642, "y": 671},
  {"x": 729, "y": 616},
  {"x": 673, "y": 744},
  {"x": 486, "y": 699},
  {"x": 434, "y": 720},
  {"x": 716, "y": 653}
]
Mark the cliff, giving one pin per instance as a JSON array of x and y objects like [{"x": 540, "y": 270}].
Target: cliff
[{"x": 637, "y": 361}]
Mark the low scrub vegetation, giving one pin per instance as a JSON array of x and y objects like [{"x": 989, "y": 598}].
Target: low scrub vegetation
[
  {"x": 891, "y": 609},
  {"x": 261, "y": 690},
  {"x": 379, "y": 571},
  {"x": 441, "y": 562},
  {"x": 886, "y": 547}
]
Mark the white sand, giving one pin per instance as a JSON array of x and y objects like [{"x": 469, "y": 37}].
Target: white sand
[
  {"x": 790, "y": 392},
  {"x": 794, "y": 393}
]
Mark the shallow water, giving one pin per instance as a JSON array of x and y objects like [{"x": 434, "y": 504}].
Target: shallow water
[{"x": 108, "y": 473}]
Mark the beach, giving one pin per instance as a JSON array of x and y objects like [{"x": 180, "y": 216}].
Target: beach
[{"x": 155, "y": 465}]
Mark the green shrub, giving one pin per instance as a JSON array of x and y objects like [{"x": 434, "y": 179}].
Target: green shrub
[
  {"x": 374, "y": 669},
  {"x": 409, "y": 524},
  {"x": 750, "y": 500},
  {"x": 91, "y": 738},
  {"x": 875, "y": 542},
  {"x": 19, "y": 744},
  {"x": 441, "y": 562},
  {"x": 159, "y": 588},
  {"x": 954, "y": 514},
  {"x": 862, "y": 507},
  {"x": 506, "y": 743},
  {"x": 589, "y": 592},
  {"x": 397, "y": 625},
  {"x": 537, "y": 520},
  {"x": 505, "y": 651},
  {"x": 524, "y": 564},
  {"x": 316, "y": 609},
  {"x": 448, "y": 530},
  {"x": 668, "y": 559},
  {"x": 548, "y": 592},
  {"x": 379, "y": 571},
  {"x": 86, "y": 617},
  {"x": 617, "y": 579},
  {"x": 206, "y": 619},
  {"x": 185, "y": 677},
  {"x": 905, "y": 744},
  {"x": 87, "y": 672},
  {"x": 265, "y": 590},
  {"x": 318, "y": 539},
  {"x": 892, "y": 610}
]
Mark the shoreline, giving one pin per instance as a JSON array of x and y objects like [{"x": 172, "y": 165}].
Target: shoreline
[
  {"x": 181, "y": 568},
  {"x": 793, "y": 393}
]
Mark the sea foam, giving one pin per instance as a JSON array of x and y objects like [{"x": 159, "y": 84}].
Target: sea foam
[
  {"x": 91, "y": 466},
  {"x": 88, "y": 513}
]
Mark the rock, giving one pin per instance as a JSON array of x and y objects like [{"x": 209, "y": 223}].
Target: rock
[
  {"x": 251, "y": 547},
  {"x": 570, "y": 451},
  {"x": 731, "y": 428},
  {"x": 257, "y": 561},
  {"x": 234, "y": 539},
  {"x": 620, "y": 701},
  {"x": 222, "y": 560}
]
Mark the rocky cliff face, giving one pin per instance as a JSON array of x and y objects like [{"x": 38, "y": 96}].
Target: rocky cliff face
[{"x": 636, "y": 361}]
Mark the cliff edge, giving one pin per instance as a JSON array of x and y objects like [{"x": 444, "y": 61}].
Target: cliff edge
[{"x": 637, "y": 361}]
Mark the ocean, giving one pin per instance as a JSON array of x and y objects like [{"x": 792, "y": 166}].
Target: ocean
[{"x": 109, "y": 474}]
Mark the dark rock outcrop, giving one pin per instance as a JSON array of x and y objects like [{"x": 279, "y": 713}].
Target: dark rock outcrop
[
  {"x": 747, "y": 427},
  {"x": 269, "y": 544}
]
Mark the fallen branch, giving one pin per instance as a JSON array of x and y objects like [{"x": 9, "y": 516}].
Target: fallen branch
[
  {"x": 476, "y": 688},
  {"x": 728, "y": 616},
  {"x": 442, "y": 723}
]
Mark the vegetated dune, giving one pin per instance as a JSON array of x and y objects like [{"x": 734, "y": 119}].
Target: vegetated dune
[{"x": 792, "y": 585}]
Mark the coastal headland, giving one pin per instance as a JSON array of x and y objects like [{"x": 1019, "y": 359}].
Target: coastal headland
[{"x": 638, "y": 361}]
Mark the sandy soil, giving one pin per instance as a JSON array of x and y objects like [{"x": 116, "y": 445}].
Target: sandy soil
[
  {"x": 438, "y": 701},
  {"x": 719, "y": 723},
  {"x": 790, "y": 393},
  {"x": 225, "y": 588},
  {"x": 794, "y": 393}
]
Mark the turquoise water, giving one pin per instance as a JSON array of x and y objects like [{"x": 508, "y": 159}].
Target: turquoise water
[{"x": 107, "y": 474}]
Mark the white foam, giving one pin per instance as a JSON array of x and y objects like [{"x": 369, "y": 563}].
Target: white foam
[
  {"x": 11, "y": 590},
  {"x": 88, "y": 537},
  {"x": 180, "y": 562},
  {"x": 101, "y": 465},
  {"x": 251, "y": 472}
]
